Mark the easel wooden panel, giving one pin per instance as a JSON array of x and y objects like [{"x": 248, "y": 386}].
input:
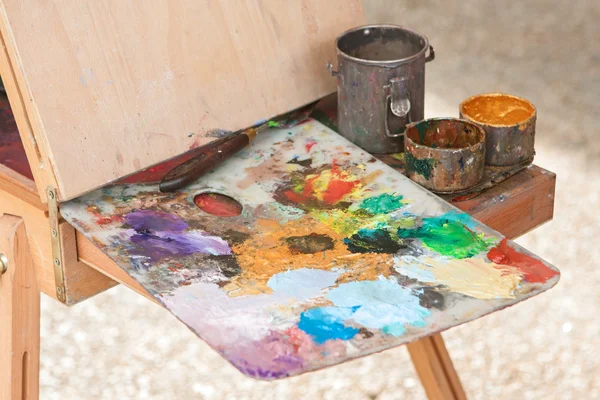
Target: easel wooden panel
[{"x": 140, "y": 82}]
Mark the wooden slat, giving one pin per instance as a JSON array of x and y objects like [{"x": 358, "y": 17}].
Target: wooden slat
[
  {"x": 20, "y": 186},
  {"x": 95, "y": 258},
  {"x": 36, "y": 155},
  {"x": 19, "y": 315},
  {"x": 517, "y": 205},
  {"x": 109, "y": 87},
  {"x": 434, "y": 367}
]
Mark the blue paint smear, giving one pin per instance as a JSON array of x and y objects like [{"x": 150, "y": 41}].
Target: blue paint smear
[
  {"x": 460, "y": 217},
  {"x": 394, "y": 329},
  {"x": 327, "y": 323},
  {"x": 380, "y": 304}
]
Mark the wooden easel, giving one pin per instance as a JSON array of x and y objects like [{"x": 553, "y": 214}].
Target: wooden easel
[{"x": 45, "y": 254}]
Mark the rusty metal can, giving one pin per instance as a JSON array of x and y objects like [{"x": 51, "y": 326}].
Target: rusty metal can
[
  {"x": 381, "y": 84},
  {"x": 509, "y": 123},
  {"x": 444, "y": 155}
]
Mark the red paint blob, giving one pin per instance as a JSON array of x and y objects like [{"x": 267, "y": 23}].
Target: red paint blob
[
  {"x": 533, "y": 269},
  {"x": 309, "y": 145},
  {"x": 218, "y": 204},
  {"x": 337, "y": 189},
  {"x": 100, "y": 220}
]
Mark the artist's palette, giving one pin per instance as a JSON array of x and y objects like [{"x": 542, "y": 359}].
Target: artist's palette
[{"x": 312, "y": 253}]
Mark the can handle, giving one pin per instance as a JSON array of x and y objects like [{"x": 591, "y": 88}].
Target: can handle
[
  {"x": 398, "y": 102},
  {"x": 330, "y": 69},
  {"x": 431, "y": 55}
]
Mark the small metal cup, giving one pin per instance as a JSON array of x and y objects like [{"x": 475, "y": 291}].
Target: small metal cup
[
  {"x": 509, "y": 123},
  {"x": 445, "y": 155}
]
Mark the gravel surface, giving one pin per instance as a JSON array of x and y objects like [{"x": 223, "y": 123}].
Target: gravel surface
[{"x": 119, "y": 345}]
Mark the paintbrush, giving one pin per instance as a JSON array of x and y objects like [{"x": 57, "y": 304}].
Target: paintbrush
[{"x": 224, "y": 148}]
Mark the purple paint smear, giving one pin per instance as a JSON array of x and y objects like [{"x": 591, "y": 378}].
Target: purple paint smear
[
  {"x": 273, "y": 357},
  {"x": 159, "y": 245},
  {"x": 148, "y": 220},
  {"x": 159, "y": 235}
]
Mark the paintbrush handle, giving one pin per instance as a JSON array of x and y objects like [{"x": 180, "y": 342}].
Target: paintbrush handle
[{"x": 194, "y": 168}]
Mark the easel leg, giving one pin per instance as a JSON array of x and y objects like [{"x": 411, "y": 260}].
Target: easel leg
[
  {"x": 19, "y": 314},
  {"x": 435, "y": 369}
]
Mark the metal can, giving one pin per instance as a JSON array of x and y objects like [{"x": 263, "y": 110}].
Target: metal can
[
  {"x": 509, "y": 123},
  {"x": 445, "y": 154},
  {"x": 381, "y": 84}
]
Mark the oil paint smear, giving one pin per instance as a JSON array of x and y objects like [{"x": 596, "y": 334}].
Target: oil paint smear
[
  {"x": 321, "y": 254},
  {"x": 533, "y": 269},
  {"x": 218, "y": 204}
]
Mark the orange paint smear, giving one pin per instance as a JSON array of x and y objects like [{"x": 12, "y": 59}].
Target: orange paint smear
[
  {"x": 108, "y": 220},
  {"x": 498, "y": 109},
  {"x": 533, "y": 270},
  {"x": 267, "y": 254}
]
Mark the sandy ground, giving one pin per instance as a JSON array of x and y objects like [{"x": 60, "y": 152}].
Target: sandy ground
[{"x": 121, "y": 346}]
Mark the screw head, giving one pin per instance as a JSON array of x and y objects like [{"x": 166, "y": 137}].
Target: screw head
[
  {"x": 56, "y": 261},
  {"x": 59, "y": 290},
  {"x": 54, "y": 233},
  {"x": 3, "y": 263},
  {"x": 51, "y": 194}
]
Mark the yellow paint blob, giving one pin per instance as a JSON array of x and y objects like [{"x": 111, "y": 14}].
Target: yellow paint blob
[{"x": 473, "y": 277}]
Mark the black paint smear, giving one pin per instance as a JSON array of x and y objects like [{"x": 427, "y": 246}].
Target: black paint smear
[
  {"x": 309, "y": 244},
  {"x": 431, "y": 298},
  {"x": 364, "y": 332},
  {"x": 234, "y": 237},
  {"x": 372, "y": 241},
  {"x": 302, "y": 163},
  {"x": 227, "y": 264}
]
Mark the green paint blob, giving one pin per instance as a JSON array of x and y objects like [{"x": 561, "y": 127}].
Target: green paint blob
[
  {"x": 382, "y": 204},
  {"x": 423, "y": 167},
  {"x": 273, "y": 124},
  {"x": 422, "y": 129},
  {"x": 404, "y": 223},
  {"x": 448, "y": 236}
]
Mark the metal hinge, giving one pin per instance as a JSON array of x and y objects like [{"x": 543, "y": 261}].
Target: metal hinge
[{"x": 57, "y": 258}]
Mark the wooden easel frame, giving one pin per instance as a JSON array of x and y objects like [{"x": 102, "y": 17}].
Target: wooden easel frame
[{"x": 28, "y": 229}]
